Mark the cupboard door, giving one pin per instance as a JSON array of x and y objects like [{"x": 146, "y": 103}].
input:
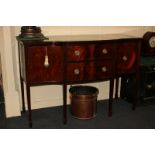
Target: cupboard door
[
  {"x": 127, "y": 54},
  {"x": 45, "y": 64}
]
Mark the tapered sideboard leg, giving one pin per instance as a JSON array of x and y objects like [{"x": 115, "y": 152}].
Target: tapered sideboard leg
[
  {"x": 65, "y": 104},
  {"x": 29, "y": 105},
  {"x": 111, "y": 96},
  {"x": 22, "y": 94},
  {"x": 116, "y": 88}
]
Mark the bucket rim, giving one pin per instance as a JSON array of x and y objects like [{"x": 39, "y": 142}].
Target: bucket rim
[{"x": 91, "y": 90}]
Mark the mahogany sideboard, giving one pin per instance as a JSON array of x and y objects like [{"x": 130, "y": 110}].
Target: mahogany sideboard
[{"x": 64, "y": 60}]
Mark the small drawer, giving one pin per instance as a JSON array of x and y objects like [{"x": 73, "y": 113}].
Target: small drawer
[
  {"x": 104, "y": 51},
  {"x": 75, "y": 72},
  {"x": 76, "y": 52},
  {"x": 104, "y": 69},
  {"x": 99, "y": 70}
]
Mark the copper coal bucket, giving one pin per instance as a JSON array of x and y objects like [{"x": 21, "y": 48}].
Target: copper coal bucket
[{"x": 83, "y": 101}]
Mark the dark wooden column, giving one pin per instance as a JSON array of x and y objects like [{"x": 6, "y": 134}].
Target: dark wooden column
[{"x": 137, "y": 78}]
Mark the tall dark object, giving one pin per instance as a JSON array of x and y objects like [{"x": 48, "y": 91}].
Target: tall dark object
[
  {"x": 146, "y": 87},
  {"x": 1, "y": 95}
]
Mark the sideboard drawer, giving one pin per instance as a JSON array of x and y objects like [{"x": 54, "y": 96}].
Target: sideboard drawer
[
  {"x": 104, "y": 69},
  {"x": 75, "y": 71},
  {"x": 89, "y": 71},
  {"x": 76, "y": 52},
  {"x": 45, "y": 64},
  {"x": 105, "y": 50}
]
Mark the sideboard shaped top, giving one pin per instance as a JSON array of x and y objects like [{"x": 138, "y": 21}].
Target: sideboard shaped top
[
  {"x": 89, "y": 37},
  {"x": 79, "y": 38}
]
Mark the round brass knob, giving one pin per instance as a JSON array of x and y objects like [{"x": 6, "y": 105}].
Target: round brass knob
[
  {"x": 149, "y": 86},
  {"x": 77, "y": 53},
  {"x": 104, "y": 51},
  {"x": 125, "y": 58},
  {"x": 104, "y": 69},
  {"x": 76, "y": 71}
]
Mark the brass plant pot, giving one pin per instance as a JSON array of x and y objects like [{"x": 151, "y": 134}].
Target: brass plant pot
[{"x": 83, "y": 101}]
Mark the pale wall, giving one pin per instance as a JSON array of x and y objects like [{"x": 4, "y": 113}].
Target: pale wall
[
  {"x": 48, "y": 96},
  {"x": 12, "y": 104},
  {"x": 1, "y": 48},
  {"x": 0, "y": 59},
  {"x": 64, "y": 30}
]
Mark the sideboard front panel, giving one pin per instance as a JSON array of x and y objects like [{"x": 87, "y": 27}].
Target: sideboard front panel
[
  {"x": 73, "y": 62},
  {"x": 44, "y": 64}
]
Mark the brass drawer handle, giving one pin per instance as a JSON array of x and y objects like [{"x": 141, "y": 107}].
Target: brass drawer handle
[
  {"x": 124, "y": 58},
  {"x": 77, "y": 53},
  {"x": 46, "y": 61},
  {"x": 104, "y": 51},
  {"x": 104, "y": 69},
  {"x": 76, "y": 71}
]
